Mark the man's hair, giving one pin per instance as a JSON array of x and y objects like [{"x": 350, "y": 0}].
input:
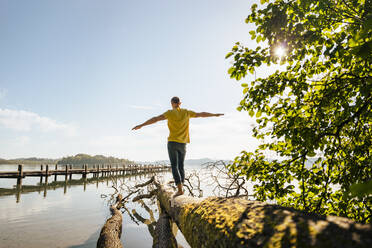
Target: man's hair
[{"x": 175, "y": 99}]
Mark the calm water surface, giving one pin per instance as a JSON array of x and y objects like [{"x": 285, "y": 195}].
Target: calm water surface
[{"x": 66, "y": 213}]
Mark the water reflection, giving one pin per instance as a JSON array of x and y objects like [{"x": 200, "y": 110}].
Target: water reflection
[
  {"x": 60, "y": 211},
  {"x": 65, "y": 212},
  {"x": 163, "y": 226}
]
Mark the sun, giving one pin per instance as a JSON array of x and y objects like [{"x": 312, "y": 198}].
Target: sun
[{"x": 280, "y": 51}]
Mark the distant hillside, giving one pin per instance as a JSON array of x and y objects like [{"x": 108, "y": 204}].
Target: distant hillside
[
  {"x": 87, "y": 159},
  {"x": 32, "y": 160},
  {"x": 190, "y": 162}
]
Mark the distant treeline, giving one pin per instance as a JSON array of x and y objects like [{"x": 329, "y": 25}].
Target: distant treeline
[
  {"x": 29, "y": 161},
  {"x": 77, "y": 159},
  {"x": 87, "y": 159}
]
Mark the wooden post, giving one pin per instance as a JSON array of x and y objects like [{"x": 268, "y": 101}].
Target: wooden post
[
  {"x": 19, "y": 179},
  {"x": 85, "y": 171},
  {"x": 46, "y": 177},
  {"x": 20, "y": 170},
  {"x": 55, "y": 172},
  {"x": 66, "y": 171},
  {"x": 70, "y": 166}
]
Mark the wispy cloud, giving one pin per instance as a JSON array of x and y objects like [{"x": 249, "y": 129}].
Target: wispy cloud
[
  {"x": 219, "y": 138},
  {"x": 21, "y": 120},
  {"x": 142, "y": 107}
]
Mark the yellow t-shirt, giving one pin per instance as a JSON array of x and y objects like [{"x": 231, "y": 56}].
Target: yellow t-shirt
[{"x": 178, "y": 124}]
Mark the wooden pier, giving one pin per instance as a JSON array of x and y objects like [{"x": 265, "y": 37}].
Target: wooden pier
[
  {"x": 97, "y": 171},
  {"x": 45, "y": 185},
  {"x": 68, "y": 170}
]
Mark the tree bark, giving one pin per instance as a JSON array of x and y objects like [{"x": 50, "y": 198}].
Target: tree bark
[
  {"x": 236, "y": 222},
  {"x": 164, "y": 237},
  {"x": 111, "y": 231}
]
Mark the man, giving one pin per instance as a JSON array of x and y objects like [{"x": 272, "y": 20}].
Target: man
[{"x": 178, "y": 124}]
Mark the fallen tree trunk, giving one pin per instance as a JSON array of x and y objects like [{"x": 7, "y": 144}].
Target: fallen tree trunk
[
  {"x": 164, "y": 237},
  {"x": 111, "y": 231},
  {"x": 236, "y": 222}
]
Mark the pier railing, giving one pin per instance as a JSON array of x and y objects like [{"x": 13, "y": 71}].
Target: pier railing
[
  {"x": 84, "y": 171},
  {"x": 98, "y": 172}
]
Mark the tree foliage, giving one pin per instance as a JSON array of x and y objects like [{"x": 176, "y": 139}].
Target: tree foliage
[
  {"x": 97, "y": 159},
  {"x": 316, "y": 113}
]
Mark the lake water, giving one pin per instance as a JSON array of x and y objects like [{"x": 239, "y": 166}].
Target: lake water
[{"x": 68, "y": 213}]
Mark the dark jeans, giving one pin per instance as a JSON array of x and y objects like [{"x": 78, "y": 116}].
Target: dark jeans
[{"x": 177, "y": 152}]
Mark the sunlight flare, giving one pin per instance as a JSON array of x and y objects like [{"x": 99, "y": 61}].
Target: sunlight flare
[{"x": 280, "y": 51}]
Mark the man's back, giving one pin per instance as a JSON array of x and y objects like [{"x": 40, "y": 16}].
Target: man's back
[{"x": 178, "y": 124}]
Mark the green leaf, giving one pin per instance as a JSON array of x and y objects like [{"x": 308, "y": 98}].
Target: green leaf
[
  {"x": 317, "y": 110},
  {"x": 228, "y": 55}
]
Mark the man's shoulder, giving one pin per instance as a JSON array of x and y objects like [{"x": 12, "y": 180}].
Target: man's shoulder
[
  {"x": 167, "y": 113},
  {"x": 186, "y": 110}
]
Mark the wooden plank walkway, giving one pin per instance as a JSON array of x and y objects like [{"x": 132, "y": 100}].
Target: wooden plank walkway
[{"x": 68, "y": 170}]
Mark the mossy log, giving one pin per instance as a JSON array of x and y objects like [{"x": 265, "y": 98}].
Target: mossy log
[
  {"x": 164, "y": 237},
  {"x": 236, "y": 222},
  {"x": 111, "y": 231}
]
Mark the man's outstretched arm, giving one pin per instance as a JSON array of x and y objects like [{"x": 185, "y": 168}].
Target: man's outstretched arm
[
  {"x": 206, "y": 114},
  {"x": 150, "y": 121}
]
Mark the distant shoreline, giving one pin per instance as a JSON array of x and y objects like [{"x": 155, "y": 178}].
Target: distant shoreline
[{"x": 28, "y": 162}]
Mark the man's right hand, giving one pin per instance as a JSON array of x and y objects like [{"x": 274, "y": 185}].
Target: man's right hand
[{"x": 137, "y": 127}]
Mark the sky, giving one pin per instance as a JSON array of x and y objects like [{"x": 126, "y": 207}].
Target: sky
[{"x": 77, "y": 75}]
